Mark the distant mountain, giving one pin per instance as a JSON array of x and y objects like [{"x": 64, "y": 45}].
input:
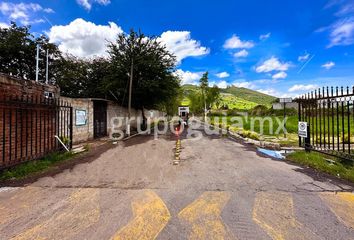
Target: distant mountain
[{"x": 234, "y": 97}]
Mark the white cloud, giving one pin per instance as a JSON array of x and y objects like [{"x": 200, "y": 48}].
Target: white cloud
[
  {"x": 84, "y": 39},
  {"x": 303, "y": 58},
  {"x": 223, "y": 75},
  {"x": 188, "y": 77},
  {"x": 181, "y": 44},
  {"x": 235, "y": 42},
  {"x": 22, "y": 12},
  {"x": 87, "y": 4},
  {"x": 328, "y": 65},
  {"x": 242, "y": 53},
  {"x": 302, "y": 87},
  {"x": 280, "y": 75},
  {"x": 272, "y": 64},
  {"x": 220, "y": 84},
  {"x": 269, "y": 91},
  {"x": 264, "y": 36},
  {"x": 342, "y": 32},
  {"x": 48, "y": 10},
  {"x": 4, "y": 25},
  {"x": 244, "y": 84}
]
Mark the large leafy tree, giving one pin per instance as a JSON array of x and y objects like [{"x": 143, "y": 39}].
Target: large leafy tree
[
  {"x": 152, "y": 66},
  {"x": 81, "y": 77}
]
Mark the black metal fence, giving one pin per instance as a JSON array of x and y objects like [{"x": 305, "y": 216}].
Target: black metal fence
[
  {"x": 28, "y": 126},
  {"x": 329, "y": 113}
]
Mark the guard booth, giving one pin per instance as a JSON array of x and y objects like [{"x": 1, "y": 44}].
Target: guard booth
[{"x": 99, "y": 118}]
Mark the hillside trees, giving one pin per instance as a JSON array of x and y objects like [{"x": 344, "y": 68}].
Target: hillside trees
[{"x": 205, "y": 97}]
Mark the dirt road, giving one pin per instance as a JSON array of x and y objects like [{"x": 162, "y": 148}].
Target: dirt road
[{"x": 220, "y": 190}]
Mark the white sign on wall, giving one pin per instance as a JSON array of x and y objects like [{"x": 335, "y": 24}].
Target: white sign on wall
[
  {"x": 80, "y": 117},
  {"x": 302, "y": 129}
]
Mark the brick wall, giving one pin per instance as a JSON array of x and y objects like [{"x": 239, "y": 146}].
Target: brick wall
[
  {"x": 12, "y": 86},
  {"x": 27, "y": 120}
]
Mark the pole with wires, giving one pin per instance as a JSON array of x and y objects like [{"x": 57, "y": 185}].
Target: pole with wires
[
  {"x": 37, "y": 63},
  {"x": 130, "y": 95},
  {"x": 47, "y": 68}
]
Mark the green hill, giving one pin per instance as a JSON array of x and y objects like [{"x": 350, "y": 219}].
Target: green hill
[
  {"x": 235, "y": 102},
  {"x": 234, "y": 97},
  {"x": 250, "y": 95}
]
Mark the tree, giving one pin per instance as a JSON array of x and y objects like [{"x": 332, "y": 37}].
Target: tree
[
  {"x": 78, "y": 77},
  {"x": 203, "y": 83},
  {"x": 153, "y": 80},
  {"x": 212, "y": 96},
  {"x": 18, "y": 51}
]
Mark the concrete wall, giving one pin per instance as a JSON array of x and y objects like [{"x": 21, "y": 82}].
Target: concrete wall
[{"x": 85, "y": 132}]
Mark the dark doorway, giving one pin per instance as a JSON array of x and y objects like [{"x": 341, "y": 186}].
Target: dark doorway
[{"x": 99, "y": 119}]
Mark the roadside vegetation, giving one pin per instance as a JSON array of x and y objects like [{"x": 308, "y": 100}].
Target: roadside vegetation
[
  {"x": 33, "y": 167},
  {"x": 341, "y": 169}
]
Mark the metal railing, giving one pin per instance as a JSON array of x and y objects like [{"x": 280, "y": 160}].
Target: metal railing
[
  {"x": 28, "y": 126},
  {"x": 329, "y": 112}
]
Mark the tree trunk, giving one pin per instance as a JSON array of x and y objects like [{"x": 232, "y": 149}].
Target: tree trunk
[{"x": 144, "y": 122}]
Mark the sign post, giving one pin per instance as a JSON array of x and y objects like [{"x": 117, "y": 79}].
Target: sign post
[
  {"x": 304, "y": 132},
  {"x": 284, "y": 101}
]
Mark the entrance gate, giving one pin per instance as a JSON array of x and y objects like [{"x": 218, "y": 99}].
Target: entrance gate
[
  {"x": 329, "y": 114},
  {"x": 99, "y": 118}
]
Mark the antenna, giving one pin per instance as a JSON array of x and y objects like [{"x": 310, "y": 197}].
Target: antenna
[
  {"x": 47, "y": 68},
  {"x": 37, "y": 62}
]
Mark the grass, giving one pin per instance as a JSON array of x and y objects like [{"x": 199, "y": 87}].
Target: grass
[
  {"x": 269, "y": 127},
  {"x": 250, "y": 95},
  {"x": 344, "y": 170},
  {"x": 234, "y": 102},
  {"x": 256, "y": 124},
  {"x": 234, "y": 97},
  {"x": 25, "y": 169}
]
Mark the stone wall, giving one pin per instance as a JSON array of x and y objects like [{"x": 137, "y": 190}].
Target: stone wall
[{"x": 81, "y": 132}]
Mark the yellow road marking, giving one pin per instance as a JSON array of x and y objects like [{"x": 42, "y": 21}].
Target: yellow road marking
[
  {"x": 19, "y": 203},
  {"x": 204, "y": 214},
  {"x": 82, "y": 211},
  {"x": 150, "y": 217},
  {"x": 274, "y": 212},
  {"x": 342, "y": 205}
]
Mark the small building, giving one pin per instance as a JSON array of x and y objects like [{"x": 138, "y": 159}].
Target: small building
[{"x": 279, "y": 106}]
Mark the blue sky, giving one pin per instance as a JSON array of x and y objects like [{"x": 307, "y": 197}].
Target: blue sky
[{"x": 283, "y": 48}]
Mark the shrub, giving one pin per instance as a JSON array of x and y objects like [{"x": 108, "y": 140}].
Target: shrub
[{"x": 259, "y": 110}]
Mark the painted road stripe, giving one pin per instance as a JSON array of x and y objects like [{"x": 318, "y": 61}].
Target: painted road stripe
[
  {"x": 150, "y": 217},
  {"x": 204, "y": 215},
  {"x": 19, "y": 204},
  {"x": 274, "y": 212},
  {"x": 342, "y": 205},
  {"x": 80, "y": 213}
]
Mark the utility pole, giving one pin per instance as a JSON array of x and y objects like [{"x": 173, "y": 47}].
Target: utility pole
[
  {"x": 47, "y": 68},
  {"x": 205, "y": 108},
  {"x": 130, "y": 95},
  {"x": 37, "y": 63}
]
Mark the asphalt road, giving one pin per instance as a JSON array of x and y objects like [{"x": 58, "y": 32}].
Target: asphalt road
[{"x": 220, "y": 189}]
